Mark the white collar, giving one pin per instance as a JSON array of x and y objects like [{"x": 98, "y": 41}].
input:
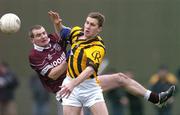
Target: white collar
[{"x": 39, "y": 48}]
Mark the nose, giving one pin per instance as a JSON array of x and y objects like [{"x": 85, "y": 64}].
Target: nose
[{"x": 43, "y": 35}]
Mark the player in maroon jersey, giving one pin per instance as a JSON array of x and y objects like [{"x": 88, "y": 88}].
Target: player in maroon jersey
[{"x": 47, "y": 58}]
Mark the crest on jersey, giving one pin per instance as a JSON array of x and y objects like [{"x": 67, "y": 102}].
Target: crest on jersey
[
  {"x": 96, "y": 55},
  {"x": 57, "y": 47},
  {"x": 49, "y": 57}
]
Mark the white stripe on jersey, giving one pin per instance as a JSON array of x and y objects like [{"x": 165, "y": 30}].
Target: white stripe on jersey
[{"x": 45, "y": 70}]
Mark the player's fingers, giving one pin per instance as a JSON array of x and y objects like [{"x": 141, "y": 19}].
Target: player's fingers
[
  {"x": 68, "y": 94},
  {"x": 61, "y": 92},
  {"x": 50, "y": 12},
  {"x": 54, "y": 13},
  {"x": 65, "y": 94},
  {"x": 58, "y": 97}
]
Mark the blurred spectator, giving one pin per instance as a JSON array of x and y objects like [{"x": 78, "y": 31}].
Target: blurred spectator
[
  {"x": 8, "y": 85},
  {"x": 134, "y": 102},
  {"x": 41, "y": 98},
  {"x": 161, "y": 81},
  {"x": 116, "y": 99}
]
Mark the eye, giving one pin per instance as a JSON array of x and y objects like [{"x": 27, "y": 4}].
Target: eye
[
  {"x": 37, "y": 35},
  {"x": 92, "y": 24},
  {"x": 86, "y": 22},
  {"x": 44, "y": 33}
]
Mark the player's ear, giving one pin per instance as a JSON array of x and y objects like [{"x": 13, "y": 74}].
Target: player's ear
[
  {"x": 31, "y": 39},
  {"x": 100, "y": 29}
]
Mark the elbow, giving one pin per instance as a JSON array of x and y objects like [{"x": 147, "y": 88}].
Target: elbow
[
  {"x": 53, "y": 76},
  {"x": 91, "y": 70}
]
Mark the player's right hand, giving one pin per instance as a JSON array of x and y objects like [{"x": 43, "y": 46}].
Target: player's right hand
[{"x": 54, "y": 16}]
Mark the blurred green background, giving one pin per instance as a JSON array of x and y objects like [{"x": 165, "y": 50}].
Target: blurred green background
[{"x": 139, "y": 35}]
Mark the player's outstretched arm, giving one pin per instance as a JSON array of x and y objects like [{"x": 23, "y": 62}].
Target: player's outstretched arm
[
  {"x": 66, "y": 89},
  {"x": 57, "y": 71},
  {"x": 56, "y": 20}
]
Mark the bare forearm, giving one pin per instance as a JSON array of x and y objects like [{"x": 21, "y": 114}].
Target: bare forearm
[
  {"x": 58, "y": 70},
  {"x": 58, "y": 27},
  {"x": 56, "y": 20},
  {"x": 84, "y": 75}
]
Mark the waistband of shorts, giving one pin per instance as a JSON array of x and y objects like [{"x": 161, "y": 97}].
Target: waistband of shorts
[{"x": 70, "y": 78}]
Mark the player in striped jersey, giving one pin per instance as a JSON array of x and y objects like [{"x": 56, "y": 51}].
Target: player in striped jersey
[
  {"x": 81, "y": 84},
  {"x": 117, "y": 79}
]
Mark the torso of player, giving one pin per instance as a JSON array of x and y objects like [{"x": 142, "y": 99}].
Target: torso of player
[
  {"x": 43, "y": 61},
  {"x": 53, "y": 56},
  {"x": 81, "y": 51}
]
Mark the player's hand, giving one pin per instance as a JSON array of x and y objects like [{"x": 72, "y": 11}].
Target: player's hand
[
  {"x": 54, "y": 16},
  {"x": 66, "y": 89}
]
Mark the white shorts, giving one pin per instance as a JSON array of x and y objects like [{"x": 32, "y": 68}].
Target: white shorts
[{"x": 85, "y": 94}]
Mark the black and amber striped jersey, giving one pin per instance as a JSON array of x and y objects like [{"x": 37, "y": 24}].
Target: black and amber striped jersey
[{"x": 84, "y": 53}]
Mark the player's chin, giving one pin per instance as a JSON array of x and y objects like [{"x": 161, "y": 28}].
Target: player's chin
[
  {"x": 88, "y": 35},
  {"x": 43, "y": 44},
  {"x": 46, "y": 42}
]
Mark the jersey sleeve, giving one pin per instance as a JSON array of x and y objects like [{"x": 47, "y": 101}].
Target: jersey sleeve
[
  {"x": 75, "y": 31},
  {"x": 40, "y": 65},
  {"x": 54, "y": 37},
  {"x": 65, "y": 32},
  {"x": 95, "y": 56},
  {"x": 154, "y": 79}
]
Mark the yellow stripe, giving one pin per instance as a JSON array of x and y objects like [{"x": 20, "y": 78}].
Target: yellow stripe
[
  {"x": 76, "y": 54},
  {"x": 84, "y": 60},
  {"x": 75, "y": 28},
  {"x": 69, "y": 70}
]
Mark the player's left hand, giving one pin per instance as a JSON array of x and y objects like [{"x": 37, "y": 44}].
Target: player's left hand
[{"x": 66, "y": 89}]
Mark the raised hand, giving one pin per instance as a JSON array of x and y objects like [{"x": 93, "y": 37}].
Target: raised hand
[{"x": 54, "y": 16}]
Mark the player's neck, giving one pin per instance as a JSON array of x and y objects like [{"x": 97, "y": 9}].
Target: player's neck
[{"x": 86, "y": 37}]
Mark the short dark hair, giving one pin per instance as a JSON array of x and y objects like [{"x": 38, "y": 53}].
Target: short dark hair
[
  {"x": 31, "y": 34},
  {"x": 100, "y": 17}
]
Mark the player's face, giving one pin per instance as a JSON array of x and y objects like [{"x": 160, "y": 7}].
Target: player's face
[
  {"x": 91, "y": 27},
  {"x": 40, "y": 37},
  {"x": 163, "y": 73},
  {"x": 3, "y": 69}
]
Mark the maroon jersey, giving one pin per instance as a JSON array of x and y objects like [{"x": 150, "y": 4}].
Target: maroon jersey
[{"x": 42, "y": 60}]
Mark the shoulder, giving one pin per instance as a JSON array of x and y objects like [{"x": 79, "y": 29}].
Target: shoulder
[
  {"x": 172, "y": 78},
  {"x": 35, "y": 56},
  {"x": 154, "y": 79},
  {"x": 75, "y": 30},
  {"x": 100, "y": 40}
]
